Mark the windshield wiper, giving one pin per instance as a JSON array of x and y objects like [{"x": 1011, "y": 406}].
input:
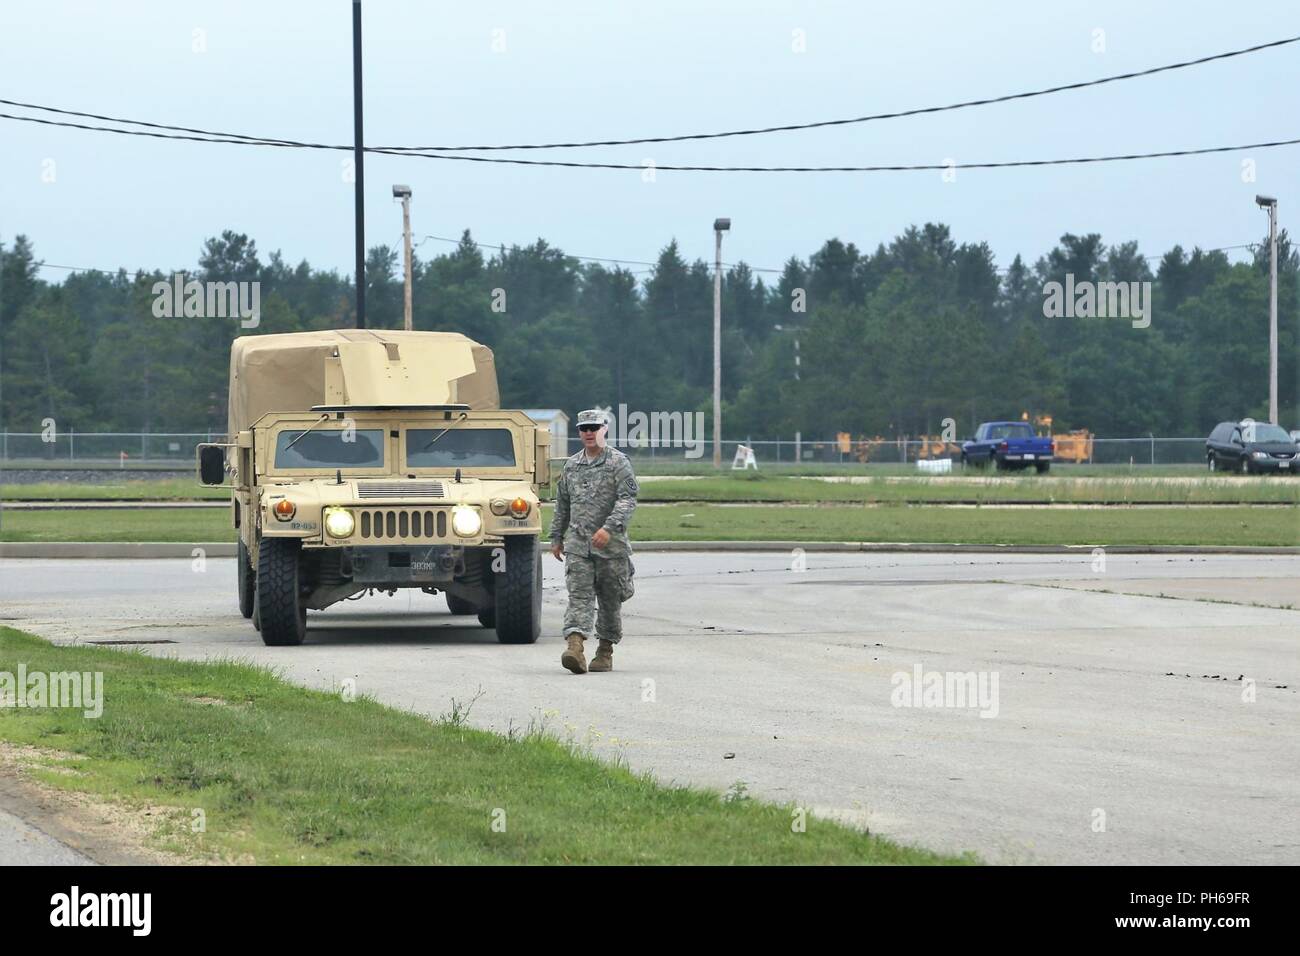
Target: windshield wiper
[
  {"x": 463, "y": 416},
  {"x": 303, "y": 433}
]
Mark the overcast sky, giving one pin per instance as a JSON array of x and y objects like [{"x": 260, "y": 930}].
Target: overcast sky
[{"x": 436, "y": 74}]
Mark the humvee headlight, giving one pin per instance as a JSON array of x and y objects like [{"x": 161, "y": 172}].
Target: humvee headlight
[
  {"x": 339, "y": 522},
  {"x": 520, "y": 507},
  {"x": 284, "y": 509},
  {"x": 499, "y": 506},
  {"x": 465, "y": 522}
]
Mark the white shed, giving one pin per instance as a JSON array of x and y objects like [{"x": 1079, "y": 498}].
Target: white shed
[{"x": 558, "y": 424}]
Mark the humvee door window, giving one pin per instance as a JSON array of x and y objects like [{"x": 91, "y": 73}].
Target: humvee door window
[
  {"x": 460, "y": 448},
  {"x": 328, "y": 449}
]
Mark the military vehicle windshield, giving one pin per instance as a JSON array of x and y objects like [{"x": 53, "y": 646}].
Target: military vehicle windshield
[
  {"x": 460, "y": 448},
  {"x": 359, "y": 448}
]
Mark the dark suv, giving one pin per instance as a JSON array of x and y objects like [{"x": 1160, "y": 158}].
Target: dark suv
[{"x": 1249, "y": 447}]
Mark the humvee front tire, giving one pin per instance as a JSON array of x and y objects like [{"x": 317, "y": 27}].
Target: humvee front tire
[
  {"x": 247, "y": 581},
  {"x": 280, "y": 608},
  {"x": 519, "y": 592},
  {"x": 488, "y": 617}
]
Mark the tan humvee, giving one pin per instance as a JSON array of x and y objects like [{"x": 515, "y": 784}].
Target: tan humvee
[{"x": 376, "y": 460}]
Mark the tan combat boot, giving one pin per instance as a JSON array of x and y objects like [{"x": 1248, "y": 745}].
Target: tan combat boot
[
  {"x": 604, "y": 659},
  {"x": 573, "y": 657}
]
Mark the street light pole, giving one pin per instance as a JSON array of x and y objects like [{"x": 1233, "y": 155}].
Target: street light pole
[
  {"x": 1269, "y": 203},
  {"x": 404, "y": 194},
  {"x": 798, "y": 436},
  {"x": 795, "y": 331},
  {"x": 358, "y": 160},
  {"x": 719, "y": 227}
]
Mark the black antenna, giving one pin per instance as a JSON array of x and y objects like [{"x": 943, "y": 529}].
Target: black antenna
[{"x": 359, "y": 155}]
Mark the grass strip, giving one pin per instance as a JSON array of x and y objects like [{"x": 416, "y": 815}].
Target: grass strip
[
  {"x": 286, "y": 775},
  {"x": 707, "y": 522},
  {"x": 762, "y": 486}
]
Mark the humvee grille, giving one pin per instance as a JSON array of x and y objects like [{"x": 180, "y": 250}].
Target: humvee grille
[
  {"x": 396, "y": 524},
  {"x": 393, "y": 489}
]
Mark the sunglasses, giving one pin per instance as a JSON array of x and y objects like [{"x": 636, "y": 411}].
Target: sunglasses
[{"x": 590, "y": 428}]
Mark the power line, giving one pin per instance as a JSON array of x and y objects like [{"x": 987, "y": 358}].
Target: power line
[
  {"x": 918, "y": 111},
  {"x": 871, "y": 117},
  {"x": 108, "y": 272},
  {"x": 642, "y": 167}
]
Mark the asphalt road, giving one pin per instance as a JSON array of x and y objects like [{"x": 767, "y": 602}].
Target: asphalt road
[
  {"x": 1119, "y": 732},
  {"x": 22, "y": 844}
]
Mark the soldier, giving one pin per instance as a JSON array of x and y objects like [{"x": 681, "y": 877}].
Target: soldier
[{"x": 594, "y": 500}]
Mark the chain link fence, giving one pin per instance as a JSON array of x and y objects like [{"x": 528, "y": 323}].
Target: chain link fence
[
  {"x": 161, "y": 449},
  {"x": 1152, "y": 450},
  {"x": 77, "y": 449}
]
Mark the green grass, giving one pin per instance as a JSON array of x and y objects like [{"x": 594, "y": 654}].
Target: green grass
[
  {"x": 1110, "y": 526},
  {"x": 143, "y": 524},
  {"x": 287, "y": 775},
  {"x": 132, "y": 488},
  {"x": 703, "y": 522},
  {"x": 1069, "y": 487},
  {"x": 976, "y": 489}
]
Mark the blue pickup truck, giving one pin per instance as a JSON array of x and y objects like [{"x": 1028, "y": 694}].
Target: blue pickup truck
[{"x": 1007, "y": 446}]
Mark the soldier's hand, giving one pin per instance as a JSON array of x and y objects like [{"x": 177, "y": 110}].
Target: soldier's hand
[
  {"x": 600, "y": 538},
  {"x": 557, "y": 550}
]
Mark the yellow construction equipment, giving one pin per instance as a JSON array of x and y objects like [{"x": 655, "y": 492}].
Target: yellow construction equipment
[{"x": 1074, "y": 446}]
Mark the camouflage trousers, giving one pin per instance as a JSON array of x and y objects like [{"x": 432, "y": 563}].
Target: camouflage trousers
[{"x": 597, "y": 589}]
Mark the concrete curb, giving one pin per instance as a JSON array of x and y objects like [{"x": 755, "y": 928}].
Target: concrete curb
[{"x": 226, "y": 549}]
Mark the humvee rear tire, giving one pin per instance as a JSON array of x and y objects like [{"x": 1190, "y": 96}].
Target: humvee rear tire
[
  {"x": 247, "y": 582},
  {"x": 280, "y": 608},
  {"x": 519, "y": 592},
  {"x": 488, "y": 617},
  {"x": 458, "y": 605}
]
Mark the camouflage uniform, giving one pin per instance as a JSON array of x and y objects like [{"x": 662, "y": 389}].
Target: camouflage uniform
[{"x": 592, "y": 494}]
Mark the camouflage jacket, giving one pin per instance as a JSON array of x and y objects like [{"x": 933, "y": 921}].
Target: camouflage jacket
[{"x": 600, "y": 493}]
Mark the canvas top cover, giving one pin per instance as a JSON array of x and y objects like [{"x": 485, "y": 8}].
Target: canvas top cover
[{"x": 294, "y": 371}]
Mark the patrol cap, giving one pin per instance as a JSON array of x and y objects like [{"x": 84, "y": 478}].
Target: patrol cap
[{"x": 592, "y": 416}]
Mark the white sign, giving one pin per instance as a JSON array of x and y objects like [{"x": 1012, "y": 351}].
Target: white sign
[{"x": 744, "y": 459}]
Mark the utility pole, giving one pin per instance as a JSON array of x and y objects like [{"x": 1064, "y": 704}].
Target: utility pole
[
  {"x": 358, "y": 159},
  {"x": 404, "y": 194},
  {"x": 719, "y": 227},
  {"x": 798, "y": 436},
  {"x": 1269, "y": 203},
  {"x": 795, "y": 330}
]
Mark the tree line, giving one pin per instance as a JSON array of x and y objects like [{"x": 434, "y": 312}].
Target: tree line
[{"x": 890, "y": 342}]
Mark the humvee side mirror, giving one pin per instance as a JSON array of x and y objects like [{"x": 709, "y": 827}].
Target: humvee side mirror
[{"x": 212, "y": 464}]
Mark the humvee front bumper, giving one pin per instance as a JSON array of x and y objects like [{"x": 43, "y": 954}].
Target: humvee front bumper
[{"x": 403, "y": 566}]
